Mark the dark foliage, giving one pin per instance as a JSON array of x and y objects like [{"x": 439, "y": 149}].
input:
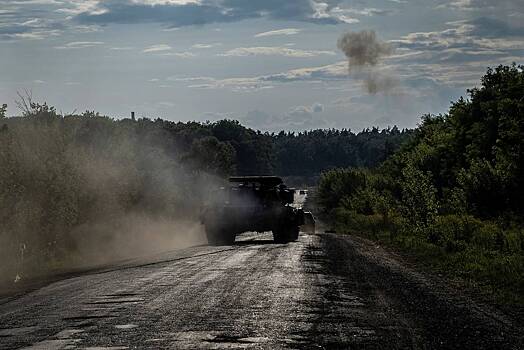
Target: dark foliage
[{"x": 455, "y": 189}]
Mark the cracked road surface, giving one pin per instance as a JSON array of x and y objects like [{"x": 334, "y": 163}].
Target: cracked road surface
[{"x": 324, "y": 291}]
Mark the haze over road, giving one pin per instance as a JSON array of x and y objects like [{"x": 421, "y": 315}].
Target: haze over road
[{"x": 324, "y": 291}]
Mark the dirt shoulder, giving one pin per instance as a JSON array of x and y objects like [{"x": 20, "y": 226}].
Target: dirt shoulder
[{"x": 444, "y": 315}]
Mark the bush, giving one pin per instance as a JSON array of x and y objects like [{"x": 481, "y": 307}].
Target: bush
[
  {"x": 482, "y": 187},
  {"x": 419, "y": 201},
  {"x": 334, "y": 185}
]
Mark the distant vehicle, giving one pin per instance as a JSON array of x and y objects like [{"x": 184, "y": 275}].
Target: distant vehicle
[
  {"x": 309, "y": 222},
  {"x": 253, "y": 203},
  {"x": 302, "y": 192}
]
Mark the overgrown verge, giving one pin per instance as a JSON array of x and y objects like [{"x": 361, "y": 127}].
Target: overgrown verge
[{"x": 453, "y": 194}]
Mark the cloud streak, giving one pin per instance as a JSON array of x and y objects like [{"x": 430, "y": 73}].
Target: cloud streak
[
  {"x": 185, "y": 13},
  {"x": 79, "y": 45},
  {"x": 277, "y": 32},
  {"x": 273, "y": 51},
  {"x": 157, "y": 48}
]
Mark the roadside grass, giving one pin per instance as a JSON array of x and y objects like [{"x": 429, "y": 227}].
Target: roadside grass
[{"x": 479, "y": 253}]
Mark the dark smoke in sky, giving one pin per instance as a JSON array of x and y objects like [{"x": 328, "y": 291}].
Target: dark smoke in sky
[
  {"x": 364, "y": 52},
  {"x": 379, "y": 82},
  {"x": 363, "y": 48}
]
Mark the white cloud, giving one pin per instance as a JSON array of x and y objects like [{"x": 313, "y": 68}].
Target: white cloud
[
  {"x": 478, "y": 35},
  {"x": 340, "y": 14},
  {"x": 185, "y": 54},
  {"x": 205, "y": 46},
  {"x": 332, "y": 72},
  {"x": 471, "y": 5},
  {"x": 368, "y": 11},
  {"x": 166, "y": 2},
  {"x": 234, "y": 84},
  {"x": 79, "y": 45},
  {"x": 166, "y": 50},
  {"x": 33, "y": 35},
  {"x": 36, "y": 2},
  {"x": 335, "y": 71},
  {"x": 189, "y": 79},
  {"x": 177, "y": 13},
  {"x": 273, "y": 51},
  {"x": 157, "y": 48},
  {"x": 285, "y": 31},
  {"x": 75, "y": 7},
  {"x": 122, "y": 48}
]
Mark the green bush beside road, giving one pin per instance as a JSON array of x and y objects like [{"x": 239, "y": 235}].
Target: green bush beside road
[{"x": 453, "y": 194}]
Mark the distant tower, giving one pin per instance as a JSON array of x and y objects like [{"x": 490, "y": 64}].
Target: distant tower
[{"x": 133, "y": 116}]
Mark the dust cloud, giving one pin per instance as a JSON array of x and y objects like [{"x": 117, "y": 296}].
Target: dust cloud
[
  {"x": 130, "y": 236},
  {"x": 365, "y": 53},
  {"x": 77, "y": 193},
  {"x": 164, "y": 215}
]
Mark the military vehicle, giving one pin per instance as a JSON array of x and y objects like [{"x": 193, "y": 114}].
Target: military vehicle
[{"x": 253, "y": 203}]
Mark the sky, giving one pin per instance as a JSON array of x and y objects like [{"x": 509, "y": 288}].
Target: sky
[{"x": 271, "y": 64}]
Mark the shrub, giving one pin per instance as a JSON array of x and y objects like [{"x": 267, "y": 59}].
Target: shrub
[
  {"x": 334, "y": 185},
  {"x": 419, "y": 199}
]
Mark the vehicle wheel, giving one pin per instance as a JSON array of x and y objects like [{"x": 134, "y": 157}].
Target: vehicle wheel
[
  {"x": 293, "y": 233},
  {"x": 285, "y": 234},
  {"x": 308, "y": 228},
  {"x": 219, "y": 236}
]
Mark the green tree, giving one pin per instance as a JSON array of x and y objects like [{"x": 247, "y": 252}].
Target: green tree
[
  {"x": 419, "y": 199},
  {"x": 337, "y": 184}
]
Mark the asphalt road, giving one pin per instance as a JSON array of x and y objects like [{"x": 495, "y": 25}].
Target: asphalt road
[{"x": 324, "y": 291}]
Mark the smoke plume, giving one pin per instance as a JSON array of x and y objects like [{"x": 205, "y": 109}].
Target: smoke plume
[
  {"x": 379, "y": 82},
  {"x": 365, "y": 52}
]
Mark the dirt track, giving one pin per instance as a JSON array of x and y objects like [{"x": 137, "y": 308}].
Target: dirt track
[{"x": 324, "y": 291}]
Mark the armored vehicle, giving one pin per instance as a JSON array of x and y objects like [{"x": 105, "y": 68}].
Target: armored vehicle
[{"x": 252, "y": 203}]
